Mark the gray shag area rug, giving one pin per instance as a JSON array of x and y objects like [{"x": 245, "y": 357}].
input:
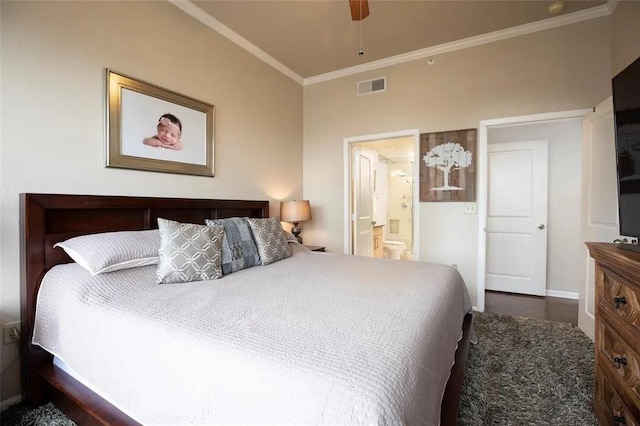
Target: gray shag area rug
[
  {"x": 522, "y": 372},
  {"x": 525, "y": 371}
]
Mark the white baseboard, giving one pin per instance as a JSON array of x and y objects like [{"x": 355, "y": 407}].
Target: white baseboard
[
  {"x": 10, "y": 401},
  {"x": 562, "y": 294}
]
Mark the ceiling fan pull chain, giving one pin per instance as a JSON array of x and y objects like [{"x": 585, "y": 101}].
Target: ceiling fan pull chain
[{"x": 361, "y": 51}]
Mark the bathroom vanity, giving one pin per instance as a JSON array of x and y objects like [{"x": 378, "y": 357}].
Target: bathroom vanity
[{"x": 378, "y": 240}]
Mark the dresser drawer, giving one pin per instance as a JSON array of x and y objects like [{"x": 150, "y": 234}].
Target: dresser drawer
[
  {"x": 620, "y": 304},
  {"x": 609, "y": 406},
  {"x": 622, "y": 364}
]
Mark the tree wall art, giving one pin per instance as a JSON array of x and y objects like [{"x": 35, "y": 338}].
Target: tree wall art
[{"x": 448, "y": 166}]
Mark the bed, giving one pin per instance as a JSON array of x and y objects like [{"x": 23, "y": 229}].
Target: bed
[{"x": 315, "y": 338}]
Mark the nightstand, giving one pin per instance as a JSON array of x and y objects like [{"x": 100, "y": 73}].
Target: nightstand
[{"x": 315, "y": 248}]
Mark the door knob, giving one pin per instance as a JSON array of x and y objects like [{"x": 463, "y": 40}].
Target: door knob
[
  {"x": 541, "y": 226},
  {"x": 373, "y": 222}
]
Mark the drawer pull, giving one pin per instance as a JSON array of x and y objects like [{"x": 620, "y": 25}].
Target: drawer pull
[
  {"x": 618, "y": 300},
  {"x": 620, "y": 361},
  {"x": 620, "y": 419}
]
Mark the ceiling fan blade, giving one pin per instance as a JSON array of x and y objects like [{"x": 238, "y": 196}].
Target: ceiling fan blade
[{"x": 355, "y": 9}]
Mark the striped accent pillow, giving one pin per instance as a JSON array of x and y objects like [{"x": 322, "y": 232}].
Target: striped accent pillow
[{"x": 239, "y": 250}]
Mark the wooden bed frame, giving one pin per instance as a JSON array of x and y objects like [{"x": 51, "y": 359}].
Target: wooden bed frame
[{"x": 46, "y": 219}]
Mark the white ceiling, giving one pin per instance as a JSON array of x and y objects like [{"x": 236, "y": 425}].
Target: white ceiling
[{"x": 310, "y": 38}]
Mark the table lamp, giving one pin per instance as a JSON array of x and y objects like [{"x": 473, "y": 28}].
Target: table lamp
[{"x": 295, "y": 211}]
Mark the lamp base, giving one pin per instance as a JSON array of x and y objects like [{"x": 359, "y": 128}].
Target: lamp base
[{"x": 296, "y": 232}]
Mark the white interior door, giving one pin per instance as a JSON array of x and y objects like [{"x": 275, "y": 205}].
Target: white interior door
[
  {"x": 599, "y": 201},
  {"x": 363, "y": 173},
  {"x": 517, "y": 217}
]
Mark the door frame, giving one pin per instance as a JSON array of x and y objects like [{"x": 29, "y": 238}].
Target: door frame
[
  {"x": 415, "y": 133},
  {"x": 483, "y": 179}
]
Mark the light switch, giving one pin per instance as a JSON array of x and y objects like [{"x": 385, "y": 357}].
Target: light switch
[{"x": 469, "y": 208}]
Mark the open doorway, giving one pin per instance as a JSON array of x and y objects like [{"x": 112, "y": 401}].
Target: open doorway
[
  {"x": 381, "y": 195},
  {"x": 502, "y": 266}
]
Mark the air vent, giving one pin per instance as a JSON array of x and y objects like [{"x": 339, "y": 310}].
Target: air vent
[{"x": 368, "y": 87}]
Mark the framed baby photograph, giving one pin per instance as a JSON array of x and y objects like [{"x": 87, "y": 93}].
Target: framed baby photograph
[{"x": 155, "y": 129}]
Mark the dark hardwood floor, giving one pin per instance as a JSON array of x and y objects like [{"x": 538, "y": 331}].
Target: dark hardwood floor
[{"x": 545, "y": 308}]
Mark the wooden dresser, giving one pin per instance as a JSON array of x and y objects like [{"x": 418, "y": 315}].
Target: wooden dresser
[{"x": 617, "y": 280}]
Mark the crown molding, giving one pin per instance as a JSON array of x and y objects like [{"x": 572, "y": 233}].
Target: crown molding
[
  {"x": 545, "y": 24},
  {"x": 211, "y": 22}
]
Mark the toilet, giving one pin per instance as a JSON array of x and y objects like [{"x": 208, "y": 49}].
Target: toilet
[{"x": 393, "y": 249}]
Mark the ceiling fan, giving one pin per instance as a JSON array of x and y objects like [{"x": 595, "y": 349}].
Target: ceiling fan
[{"x": 359, "y": 9}]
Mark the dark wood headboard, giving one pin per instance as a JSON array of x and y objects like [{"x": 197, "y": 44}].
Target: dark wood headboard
[{"x": 46, "y": 219}]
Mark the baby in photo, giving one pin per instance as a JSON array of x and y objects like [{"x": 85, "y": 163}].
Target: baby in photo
[{"x": 169, "y": 133}]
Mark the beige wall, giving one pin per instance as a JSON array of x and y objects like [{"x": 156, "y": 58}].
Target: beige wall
[
  {"x": 561, "y": 69},
  {"x": 53, "y": 103},
  {"x": 625, "y": 34},
  {"x": 52, "y": 62}
]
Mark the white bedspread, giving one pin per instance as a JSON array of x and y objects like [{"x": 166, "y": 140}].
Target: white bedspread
[{"x": 313, "y": 339}]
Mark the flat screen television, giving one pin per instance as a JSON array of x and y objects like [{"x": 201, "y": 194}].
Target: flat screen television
[{"x": 626, "y": 109}]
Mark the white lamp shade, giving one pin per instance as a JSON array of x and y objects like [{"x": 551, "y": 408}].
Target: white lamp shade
[{"x": 295, "y": 211}]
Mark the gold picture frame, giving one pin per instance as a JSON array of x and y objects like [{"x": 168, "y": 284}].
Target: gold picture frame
[{"x": 154, "y": 129}]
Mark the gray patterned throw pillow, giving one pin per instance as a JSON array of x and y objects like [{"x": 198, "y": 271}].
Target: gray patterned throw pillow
[
  {"x": 270, "y": 239},
  {"x": 239, "y": 251},
  {"x": 189, "y": 252}
]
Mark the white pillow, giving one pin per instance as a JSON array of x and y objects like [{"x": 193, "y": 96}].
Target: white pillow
[{"x": 113, "y": 251}]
